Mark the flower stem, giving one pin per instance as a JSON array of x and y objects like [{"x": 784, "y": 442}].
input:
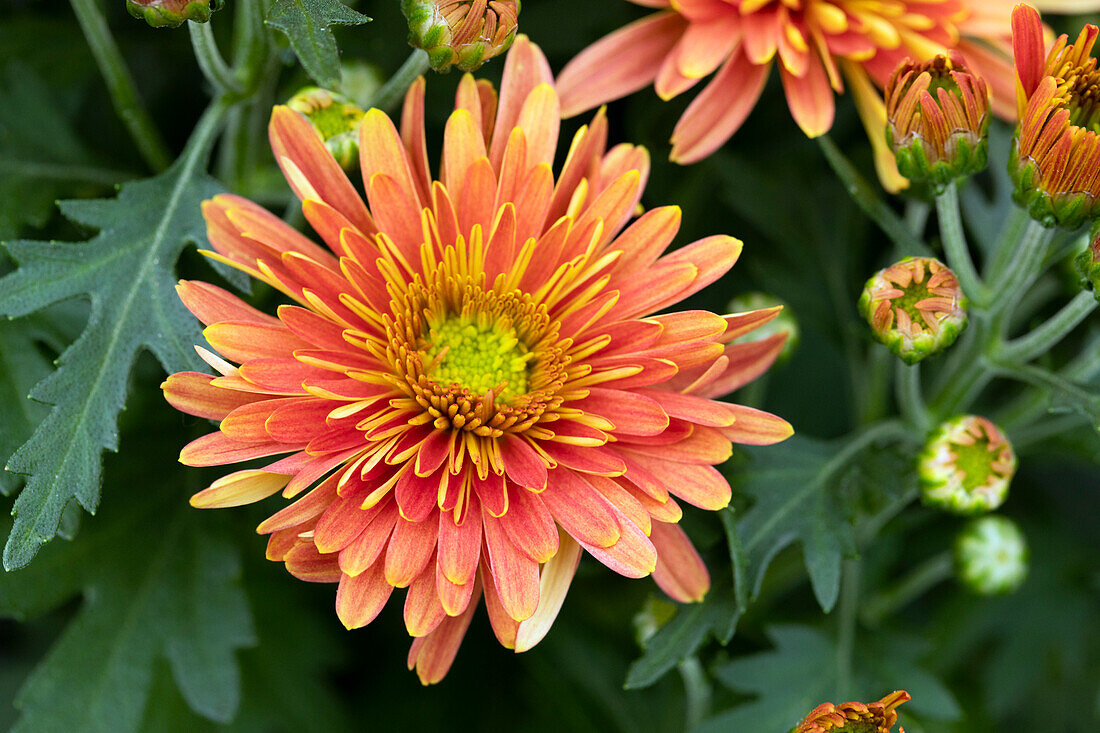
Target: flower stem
[
  {"x": 910, "y": 396},
  {"x": 393, "y": 90},
  {"x": 919, "y": 581},
  {"x": 1023, "y": 267},
  {"x": 213, "y": 66},
  {"x": 847, "y": 616},
  {"x": 120, "y": 85},
  {"x": 697, "y": 690},
  {"x": 866, "y": 198},
  {"x": 954, "y": 244},
  {"x": 1050, "y": 333}
]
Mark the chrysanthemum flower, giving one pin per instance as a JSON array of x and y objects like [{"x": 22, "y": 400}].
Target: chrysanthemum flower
[
  {"x": 1056, "y": 155},
  {"x": 855, "y": 717},
  {"x": 966, "y": 466},
  {"x": 817, "y": 46},
  {"x": 990, "y": 556},
  {"x": 461, "y": 33},
  {"x": 470, "y": 385}
]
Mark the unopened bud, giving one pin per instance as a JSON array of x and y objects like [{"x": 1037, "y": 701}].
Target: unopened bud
[
  {"x": 337, "y": 119},
  {"x": 461, "y": 33},
  {"x": 172, "y": 13},
  {"x": 914, "y": 307},
  {"x": 937, "y": 120},
  {"x": 785, "y": 322},
  {"x": 855, "y": 717},
  {"x": 966, "y": 466},
  {"x": 991, "y": 556},
  {"x": 1088, "y": 263}
]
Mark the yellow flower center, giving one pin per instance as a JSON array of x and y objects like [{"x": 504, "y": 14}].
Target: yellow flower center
[{"x": 479, "y": 354}]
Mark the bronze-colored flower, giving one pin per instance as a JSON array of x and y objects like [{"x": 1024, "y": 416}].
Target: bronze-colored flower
[
  {"x": 462, "y": 33},
  {"x": 855, "y": 717}
]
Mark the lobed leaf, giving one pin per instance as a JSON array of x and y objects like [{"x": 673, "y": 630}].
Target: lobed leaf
[{"x": 306, "y": 24}]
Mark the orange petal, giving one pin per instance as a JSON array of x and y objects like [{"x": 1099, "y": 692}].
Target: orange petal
[
  {"x": 238, "y": 489},
  {"x": 191, "y": 392},
  {"x": 630, "y": 412},
  {"x": 305, "y": 563},
  {"x": 360, "y": 598},
  {"x": 423, "y": 609},
  {"x": 524, "y": 69},
  {"x": 411, "y": 547},
  {"x": 755, "y": 427},
  {"x": 515, "y": 576},
  {"x": 632, "y": 556},
  {"x": 581, "y": 510},
  {"x": 215, "y": 450},
  {"x": 529, "y": 526},
  {"x": 432, "y": 655},
  {"x": 680, "y": 572},
  {"x": 810, "y": 98}
]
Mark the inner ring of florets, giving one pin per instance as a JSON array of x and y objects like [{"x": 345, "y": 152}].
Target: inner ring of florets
[{"x": 478, "y": 352}]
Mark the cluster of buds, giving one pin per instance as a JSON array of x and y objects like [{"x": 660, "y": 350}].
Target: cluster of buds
[
  {"x": 966, "y": 466},
  {"x": 937, "y": 120},
  {"x": 461, "y": 33},
  {"x": 914, "y": 307},
  {"x": 336, "y": 117},
  {"x": 1055, "y": 160},
  {"x": 991, "y": 556},
  {"x": 171, "y": 13},
  {"x": 855, "y": 717},
  {"x": 784, "y": 322}
]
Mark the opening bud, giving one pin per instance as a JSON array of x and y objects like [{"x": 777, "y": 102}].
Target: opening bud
[
  {"x": 461, "y": 33},
  {"x": 937, "y": 116},
  {"x": 855, "y": 717},
  {"x": 1055, "y": 157},
  {"x": 785, "y": 322},
  {"x": 171, "y": 13},
  {"x": 966, "y": 466},
  {"x": 336, "y": 117},
  {"x": 914, "y": 307},
  {"x": 991, "y": 556}
]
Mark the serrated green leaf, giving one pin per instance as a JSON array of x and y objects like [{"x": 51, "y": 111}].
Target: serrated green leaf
[
  {"x": 306, "y": 24},
  {"x": 127, "y": 272},
  {"x": 154, "y": 585},
  {"x": 22, "y": 365}
]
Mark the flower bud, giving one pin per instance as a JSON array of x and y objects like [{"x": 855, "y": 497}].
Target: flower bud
[
  {"x": 937, "y": 120},
  {"x": 337, "y": 119},
  {"x": 1055, "y": 155},
  {"x": 172, "y": 13},
  {"x": 854, "y": 717},
  {"x": 653, "y": 615},
  {"x": 966, "y": 466},
  {"x": 785, "y": 322},
  {"x": 991, "y": 556},
  {"x": 1088, "y": 263},
  {"x": 915, "y": 307},
  {"x": 462, "y": 33}
]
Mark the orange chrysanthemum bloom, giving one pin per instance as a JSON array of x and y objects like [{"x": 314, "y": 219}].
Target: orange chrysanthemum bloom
[
  {"x": 855, "y": 717},
  {"x": 817, "y": 45},
  {"x": 470, "y": 385},
  {"x": 1056, "y": 155}
]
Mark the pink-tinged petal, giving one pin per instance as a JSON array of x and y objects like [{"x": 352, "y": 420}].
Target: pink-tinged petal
[
  {"x": 305, "y": 563},
  {"x": 366, "y": 549},
  {"x": 309, "y": 167},
  {"x": 680, "y": 572},
  {"x": 667, "y": 510},
  {"x": 312, "y": 328},
  {"x": 381, "y": 151},
  {"x": 622, "y": 499},
  {"x": 645, "y": 240},
  {"x": 540, "y": 120},
  {"x": 619, "y": 63},
  {"x": 463, "y": 144},
  {"x": 746, "y": 363},
  {"x": 191, "y": 392},
  {"x": 689, "y": 326},
  {"x": 521, "y": 463},
  {"x": 412, "y": 135},
  {"x": 281, "y": 376},
  {"x": 703, "y": 486},
  {"x": 515, "y": 576},
  {"x": 653, "y": 289},
  {"x": 532, "y": 200},
  {"x": 344, "y": 521},
  {"x": 504, "y": 626},
  {"x": 587, "y": 146},
  {"x": 238, "y": 489},
  {"x": 411, "y": 546},
  {"x": 698, "y": 410},
  {"x": 643, "y": 480},
  {"x": 313, "y": 468},
  {"x": 529, "y": 525},
  {"x": 453, "y": 597},
  {"x": 1028, "y": 49},
  {"x": 704, "y": 445},
  {"x": 242, "y": 341},
  {"x": 719, "y": 110},
  {"x": 360, "y": 598},
  {"x": 630, "y": 412},
  {"x": 280, "y": 543},
  {"x": 712, "y": 257},
  {"x": 706, "y": 45},
  {"x": 613, "y": 206},
  {"x": 236, "y": 226},
  {"x": 216, "y": 450},
  {"x": 632, "y": 556},
  {"x": 309, "y": 507},
  {"x": 300, "y": 421},
  {"x": 433, "y": 451},
  {"x": 582, "y": 511},
  {"x": 211, "y": 304},
  {"x": 586, "y": 459},
  {"x": 738, "y": 324},
  {"x": 432, "y": 655},
  {"x": 423, "y": 609},
  {"x": 475, "y": 202},
  {"x": 491, "y": 492},
  {"x": 810, "y": 98},
  {"x": 459, "y": 545},
  {"x": 524, "y": 69},
  {"x": 557, "y": 575},
  {"x": 416, "y": 495},
  {"x": 761, "y": 31},
  {"x": 756, "y": 427}
]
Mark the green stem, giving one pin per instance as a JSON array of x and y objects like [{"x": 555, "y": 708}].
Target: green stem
[
  {"x": 1044, "y": 337},
  {"x": 1004, "y": 250},
  {"x": 213, "y": 66},
  {"x": 847, "y": 616},
  {"x": 697, "y": 690},
  {"x": 120, "y": 85},
  {"x": 1023, "y": 268},
  {"x": 954, "y": 244},
  {"x": 910, "y": 396},
  {"x": 866, "y": 198},
  {"x": 64, "y": 172},
  {"x": 393, "y": 90},
  {"x": 919, "y": 581},
  {"x": 916, "y": 217}
]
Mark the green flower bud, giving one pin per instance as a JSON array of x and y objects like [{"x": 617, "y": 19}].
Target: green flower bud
[
  {"x": 914, "y": 307},
  {"x": 653, "y": 615},
  {"x": 966, "y": 466},
  {"x": 337, "y": 119},
  {"x": 461, "y": 33},
  {"x": 785, "y": 322},
  {"x": 991, "y": 556},
  {"x": 1088, "y": 263},
  {"x": 172, "y": 13}
]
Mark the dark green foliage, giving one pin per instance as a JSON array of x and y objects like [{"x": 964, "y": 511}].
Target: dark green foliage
[{"x": 307, "y": 24}]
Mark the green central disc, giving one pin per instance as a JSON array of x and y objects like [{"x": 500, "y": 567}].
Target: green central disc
[{"x": 480, "y": 356}]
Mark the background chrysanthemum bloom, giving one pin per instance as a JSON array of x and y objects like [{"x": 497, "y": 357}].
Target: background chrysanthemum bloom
[
  {"x": 817, "y": 46},
  {"x": 966, "y": 466},
  {"x": 855, "y": 717},
  {"x": 471, "y": 380}
]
